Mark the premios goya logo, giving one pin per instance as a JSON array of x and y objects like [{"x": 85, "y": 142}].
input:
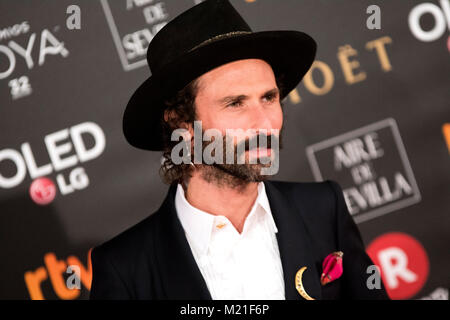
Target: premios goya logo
[
  {"x": 134, "y": 23},
  {"x": 372, "y": 166},
  {"x": 65, "y": 149},
  {"x": 18, "y": 42}
]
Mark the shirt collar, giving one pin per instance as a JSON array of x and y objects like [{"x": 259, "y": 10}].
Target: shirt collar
[{"x": 199, "y": 224}]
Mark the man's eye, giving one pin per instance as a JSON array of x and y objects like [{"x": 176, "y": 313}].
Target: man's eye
[
  {"x": 235, "y": 104},
  {"x": 270, "y": 97}
]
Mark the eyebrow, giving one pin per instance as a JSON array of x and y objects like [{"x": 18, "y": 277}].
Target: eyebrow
[{"x": 243, "y": 97}]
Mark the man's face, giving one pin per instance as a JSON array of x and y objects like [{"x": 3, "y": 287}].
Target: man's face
[{"x": 240, "y": 95}]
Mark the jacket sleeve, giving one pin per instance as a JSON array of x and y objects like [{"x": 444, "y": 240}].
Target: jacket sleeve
[
  {"x": 106, "y": 281},
  {"x": 355, "y": 259}
]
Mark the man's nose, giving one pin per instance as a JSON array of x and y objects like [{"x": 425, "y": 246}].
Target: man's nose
[{"x": 262, "y": 119}]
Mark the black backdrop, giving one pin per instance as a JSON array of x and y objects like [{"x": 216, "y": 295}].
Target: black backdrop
[{"x": 373, "y": 114}]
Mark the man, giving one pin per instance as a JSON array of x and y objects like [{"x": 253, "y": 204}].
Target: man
[{"x": 221, "y": 232}]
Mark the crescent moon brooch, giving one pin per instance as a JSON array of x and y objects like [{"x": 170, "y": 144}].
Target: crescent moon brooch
[{"x": 299, "y": 284}]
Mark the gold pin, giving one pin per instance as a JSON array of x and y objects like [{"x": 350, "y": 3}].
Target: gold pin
[
  {"x": 221, "y": 225},
  {"x": 299, "y": 284}
]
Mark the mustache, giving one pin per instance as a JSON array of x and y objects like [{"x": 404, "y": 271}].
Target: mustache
[{"x": 252, "y": 143}]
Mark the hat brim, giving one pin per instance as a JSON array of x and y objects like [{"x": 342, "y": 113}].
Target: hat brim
[{"x": 290, "y": 53}]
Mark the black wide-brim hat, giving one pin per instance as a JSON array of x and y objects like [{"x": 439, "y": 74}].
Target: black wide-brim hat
[{"x": 200, "y": 39}]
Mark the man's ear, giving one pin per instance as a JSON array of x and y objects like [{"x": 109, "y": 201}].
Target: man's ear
[{"x": 169, "y": 115}]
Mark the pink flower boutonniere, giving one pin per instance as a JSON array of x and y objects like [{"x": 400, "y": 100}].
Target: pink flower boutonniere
[{"x": 332, "y": 267}]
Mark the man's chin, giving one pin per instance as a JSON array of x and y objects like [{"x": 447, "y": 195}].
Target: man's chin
[{"x": 243, "y": 172}]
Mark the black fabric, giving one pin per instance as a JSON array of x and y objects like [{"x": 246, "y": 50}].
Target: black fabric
[
  {"x": 202, "y": 38},
  {"x": 153, "y": 260}
]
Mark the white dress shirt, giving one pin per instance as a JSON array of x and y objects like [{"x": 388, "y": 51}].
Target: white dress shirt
[{"x": 235, "y": 266}]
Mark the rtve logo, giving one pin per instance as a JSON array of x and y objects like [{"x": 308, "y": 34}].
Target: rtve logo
[
  {"x": 403, "y": 262},
  {"x": 56, "y": 271}
]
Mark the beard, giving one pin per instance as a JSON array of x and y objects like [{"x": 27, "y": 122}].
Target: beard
[{"x": 238, "y": 175}]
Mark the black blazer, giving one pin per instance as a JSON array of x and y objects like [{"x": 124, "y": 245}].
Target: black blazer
[{"x": 153, "y": 260}]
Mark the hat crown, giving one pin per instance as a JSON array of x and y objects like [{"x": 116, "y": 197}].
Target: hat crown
[{"x": 209, "y": 20}]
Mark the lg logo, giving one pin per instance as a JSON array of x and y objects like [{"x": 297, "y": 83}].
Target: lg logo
[
  {"x": 441, "y": 16},
  {"x": 65, "y": 149}
]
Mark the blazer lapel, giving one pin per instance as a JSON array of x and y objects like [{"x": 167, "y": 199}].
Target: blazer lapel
[
  {"x": 294, "y": 245},
  {"x": 181, "y": 278}
]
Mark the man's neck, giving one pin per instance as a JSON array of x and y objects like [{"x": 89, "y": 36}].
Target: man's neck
[{"x": 233, "y": 203}]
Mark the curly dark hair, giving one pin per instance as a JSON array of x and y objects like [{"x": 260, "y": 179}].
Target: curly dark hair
[{"x": 180, "y": 109}]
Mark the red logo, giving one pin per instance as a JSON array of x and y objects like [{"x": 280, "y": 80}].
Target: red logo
[
  {"x": 42, "y": 191},
  {"x": 403, "y": 262}
]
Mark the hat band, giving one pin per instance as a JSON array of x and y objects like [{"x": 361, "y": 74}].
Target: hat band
[{"x": 220, "y": 37}]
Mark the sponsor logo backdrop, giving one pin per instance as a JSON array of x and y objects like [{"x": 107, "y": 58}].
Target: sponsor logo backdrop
[{"x": 373, "y": 114}]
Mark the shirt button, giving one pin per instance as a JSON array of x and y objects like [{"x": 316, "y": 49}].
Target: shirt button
[{"x": 220, "y": 225}]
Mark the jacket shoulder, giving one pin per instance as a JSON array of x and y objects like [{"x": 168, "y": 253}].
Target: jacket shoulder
[{"x": 128, "y": 245}]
